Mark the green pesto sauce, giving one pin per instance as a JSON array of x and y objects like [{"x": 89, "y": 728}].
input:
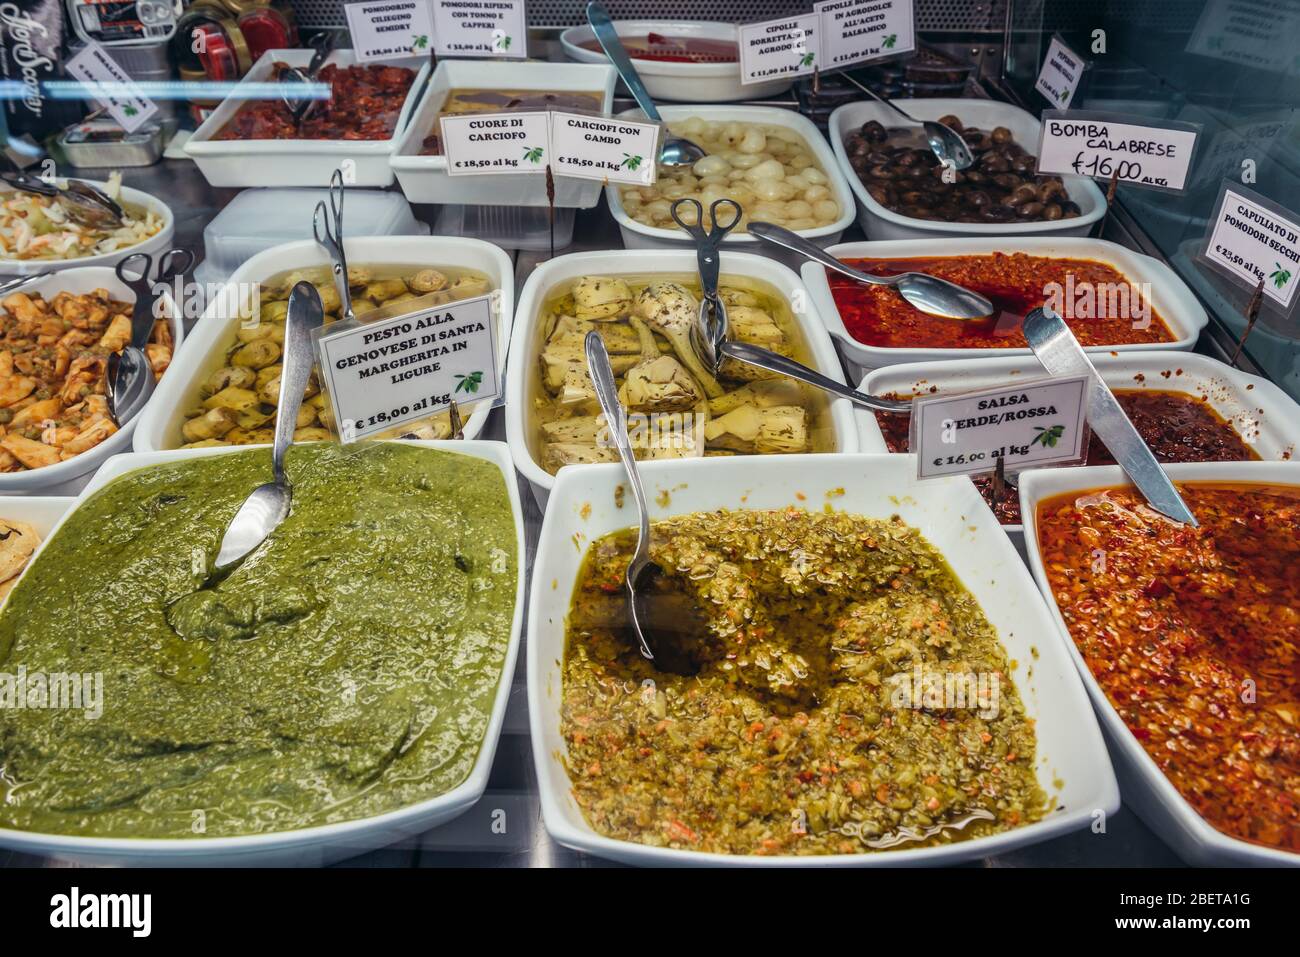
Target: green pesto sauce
[{"x": 347, "y": 668}]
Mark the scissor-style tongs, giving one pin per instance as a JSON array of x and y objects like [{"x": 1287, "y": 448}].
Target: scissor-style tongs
[
  {"x": 710, "y": 331},
  {"x": 137, "y": 271},
  {"x": 327, "y": 224}
]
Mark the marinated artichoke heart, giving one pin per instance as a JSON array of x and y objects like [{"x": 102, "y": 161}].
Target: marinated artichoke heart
[
  {"x": 781, "y": 428},
  {"x": 659, "y": 385},
  {"x": 598, "y": 297},
  {"x": 758, "y": 328}
]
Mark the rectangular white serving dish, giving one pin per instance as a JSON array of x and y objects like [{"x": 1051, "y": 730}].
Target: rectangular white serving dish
[
  {"x": 881, "y": 223},
  {"x": 1264, "y": 416},
  {"x": 522, "y": 368},
  {"x": 1170, "y": 297},
  {"x": 64, "y": 478},
  {"x": 311, "y": 846},
  {"x": 1071, "y": 762},
  {"x": 1144, "y": 787},
  {"x": 162, "y": 419},
  {"x": 41, "y": 512},
  {"x": 424, "y": 179},
  {"x": 296, "y": 162},
  {"x": 639, "y": 236}
]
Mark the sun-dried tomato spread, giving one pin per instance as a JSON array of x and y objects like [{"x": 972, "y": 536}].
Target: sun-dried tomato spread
[
  {"x": 1100, "y": 304},
  {"x": 1194, "y": 635},
  {"x": 364, "y": 104}
]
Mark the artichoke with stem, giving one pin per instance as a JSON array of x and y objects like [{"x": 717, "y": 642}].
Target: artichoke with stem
[{"x": 670, "y": 310}]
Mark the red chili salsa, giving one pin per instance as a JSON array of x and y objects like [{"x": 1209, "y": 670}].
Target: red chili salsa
[
  {"x": 656, "y": 46},
  {"x": 1107, "y": 309},
  {"x": 1194, "y": 635},
  {"x": 364, "y": 104},
  {"x": 1179, "y": 428}
]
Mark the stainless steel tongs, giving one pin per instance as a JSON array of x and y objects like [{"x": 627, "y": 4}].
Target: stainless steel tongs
[{"x": 710, "y": 330}]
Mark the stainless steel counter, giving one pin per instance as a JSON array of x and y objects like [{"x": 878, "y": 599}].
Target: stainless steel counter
[{"x": 484, "y": 837}]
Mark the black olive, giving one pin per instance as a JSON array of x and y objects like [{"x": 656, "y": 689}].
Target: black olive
[
  {"x": 978, "y": 198},
  {"x": 998, "y": 214},
  {"x": 995, "y": 163},
  {"x": 1051, "y": 211},
  {"x": 1007, "y": 181},
  {"x": 881, "y": 194},
  {"x": 1024, "y": 193},
  {"x": 874, "y": 131},
  {"x": 974, "y": 176},
  {"x": 881, "y": 172},
  {"x": 1030, "y": 210},
  {"x": 876, "y": 157},
  {"x": 1024, "y": 163},
  {"x": 1070, "y": 209},
  {"x": 1001, "y": 135},
  {"x": 951, "y": 122}
]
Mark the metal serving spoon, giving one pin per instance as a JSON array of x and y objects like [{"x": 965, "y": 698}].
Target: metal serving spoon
[
  {"x": 1061, "y": 355},
  {"x": 774, "y": 362},
  {"x": 946, "y": 143},
  {"x": 930, "y": 294},
  {"x": 268, "y": 505},
  {"x": 675, "y": 151},
  {"x": 666, "y": 623}
]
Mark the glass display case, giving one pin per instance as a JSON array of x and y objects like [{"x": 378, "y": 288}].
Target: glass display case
[{"x": 470, "y": 693}]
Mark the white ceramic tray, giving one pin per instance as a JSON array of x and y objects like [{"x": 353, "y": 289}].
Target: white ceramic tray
[
  {"x": 311, "y": 845},
  {"x": 1144, "y": 787},
  {"x": 522, "y": 369},
  {"x": 158, "y": 241},
  {"x": 881, "y": 223},
  {"x": 684, "y": 82},
  {"x": 425, "y": 179},
  {"x": 639, "y": 236},
  {"x": 1263, "y": 415},
  {"x": 161, "y": 422},
  {"x": 59, "y": 478},
  {"x": 1071, "y": 761},
  {"x": 295, "y": 162},
  {"x": 1170, "y": 297}
]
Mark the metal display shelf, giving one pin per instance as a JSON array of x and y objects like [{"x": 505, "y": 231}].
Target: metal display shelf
[{"x": 477, "y": 839}]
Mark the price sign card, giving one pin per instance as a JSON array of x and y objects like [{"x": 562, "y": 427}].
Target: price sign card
[
  {"x": 1059, "y": 78},
  {"x": 480, "y": 28},
  {"x": 614, "y": 150},
  {"x": 111, "y": 87},
  {"x": 780, "y": 48},
  {"x": 496, "y": 142},
  {"x": 1252, "y": 238},
  {"x": 389, "y": 29},
  {"x": 1156, "y": 155},
  {"x": 857, "y": 30},
  {"x": 383, "y": 374},
  {"x": 1028, "y": 425}
]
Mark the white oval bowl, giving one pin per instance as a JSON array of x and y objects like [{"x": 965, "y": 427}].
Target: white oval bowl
[
  {"x": 1170, "y": 297},
  {"x": 522, "y": 369},
  {"x": 1144, "y": 787},
  {"x": 296, "y": 162},
  {"x": 322, "y": 844},
  {"x": 683, "y": 82},
  {"x": 881, "y": 223},
  {"x": 160, "y": 424},
  {"x": 424, "y": 179},
  {"x": 639, "y": 236},
  {"x": 60, "y": 477},
  {"x": 952, "y": 516},
  {"x": 158, "y": 241}
]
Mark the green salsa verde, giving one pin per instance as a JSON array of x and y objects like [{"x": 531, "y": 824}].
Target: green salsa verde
[{"x": 346, "y": 669}]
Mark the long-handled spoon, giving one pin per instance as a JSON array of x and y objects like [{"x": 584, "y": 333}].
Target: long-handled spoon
[
  {"x": 945, "y": 143},
  {"x": 268, "y": 505},
  {"x": 675, "y": 151},
  {"x": 665, "y": 622},
  {"x": 774, "y": 362},
  {"x": 930, "y": 294}
]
